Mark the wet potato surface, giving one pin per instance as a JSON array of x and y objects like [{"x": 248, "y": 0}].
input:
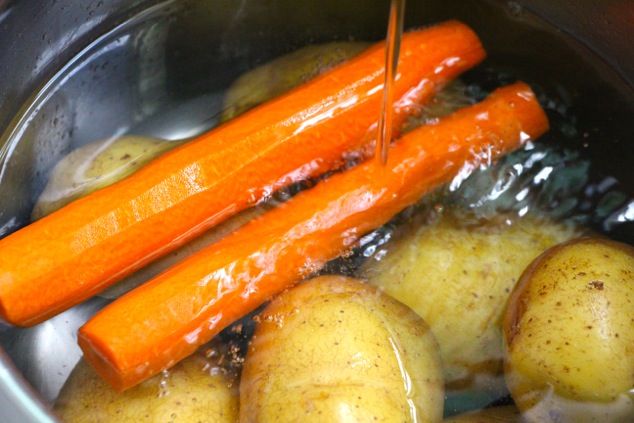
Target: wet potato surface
[{"x": 569, "y": 334}]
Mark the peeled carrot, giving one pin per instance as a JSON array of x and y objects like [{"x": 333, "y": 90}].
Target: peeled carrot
[
  {"x": 90, "y": 244},
  {"x": 156, "y": 325}
]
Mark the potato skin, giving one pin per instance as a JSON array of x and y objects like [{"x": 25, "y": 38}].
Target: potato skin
[
  {"x": 191, "y": 392},
  {"x": 569, "y": 334},
  {"x": 458, "y": 278},
  {"x": 334, "y": 349}
]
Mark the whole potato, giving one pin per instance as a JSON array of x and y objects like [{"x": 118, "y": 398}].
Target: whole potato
[
  {"x": 569, "y": 332},
  {"x": 194, "y": 390},
  {"x": 334, "y": 349},
  {"x": 458, "y": 277},
  {"x": 504, "y": 414}
]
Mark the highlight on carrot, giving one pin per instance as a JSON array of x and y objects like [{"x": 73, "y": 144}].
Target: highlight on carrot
[
  {"x": 85, "y": 247},
  {"x": 161, "y": 322}
]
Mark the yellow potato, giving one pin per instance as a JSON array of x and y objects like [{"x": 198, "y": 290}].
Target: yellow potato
[
  {"x": 284, "y": 73},
  {"x": 334, "y": 349},
  {"x": 94, "y": 166},
  {"x": 569, "y": 331},
  {"x": 193, "y": 390},
  {"x": 505, "y": 414},
  {"x": 458, "y": 279}
]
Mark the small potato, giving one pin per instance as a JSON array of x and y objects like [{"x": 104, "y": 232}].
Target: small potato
[
  {"x": 569, "y": 332},
  {"x": 505, "y": 414},
  {"x": 336, "y": 350},
  {"x": 192, "y": 391},
  {"x": 458, "y": 278}
]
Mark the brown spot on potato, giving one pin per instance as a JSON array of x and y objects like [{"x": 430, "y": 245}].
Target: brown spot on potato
[{"x": 598, "y": 285}]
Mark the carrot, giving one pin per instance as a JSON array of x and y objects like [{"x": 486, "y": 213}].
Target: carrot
[
  {"x": 156, "y": 325},
  {"x": 93, "y": 242}
]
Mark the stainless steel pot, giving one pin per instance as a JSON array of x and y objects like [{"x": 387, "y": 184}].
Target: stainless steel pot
[{"x": 104, "y": 67}]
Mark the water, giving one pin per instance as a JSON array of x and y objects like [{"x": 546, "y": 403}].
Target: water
[
  {"x": 558, "y": 176},
  {"x": 543, "y": 178}
]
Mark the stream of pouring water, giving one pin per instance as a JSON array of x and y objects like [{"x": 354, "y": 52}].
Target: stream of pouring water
[{"x": 393, "y": 43}]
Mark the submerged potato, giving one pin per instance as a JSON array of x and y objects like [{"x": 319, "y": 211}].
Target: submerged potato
[
  {"x": 569, "y": 331},
  {"x": 192, "y": 391},
  {"x": 458, "y": 279},
  {"x": 334, "y": 349}
]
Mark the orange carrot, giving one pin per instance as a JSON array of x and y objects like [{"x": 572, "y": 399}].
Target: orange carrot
[
  {"x": 156, "y": 325},
  {"x": 90, "y": 244}
]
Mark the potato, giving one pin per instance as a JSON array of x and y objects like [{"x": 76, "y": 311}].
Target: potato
[
  {"x": 284, "y": 73},
  {"x": 94, "y": 166},
  {"x": 505, "y": 414},
  {"x": 194, "y": 390},
  {"x": 569, "y": 331},
  {"x": 458, "y": 279},
  {"x": 335, "y": 349}
]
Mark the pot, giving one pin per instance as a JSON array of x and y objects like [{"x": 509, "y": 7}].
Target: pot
[{"x": 74, "y": 73}]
